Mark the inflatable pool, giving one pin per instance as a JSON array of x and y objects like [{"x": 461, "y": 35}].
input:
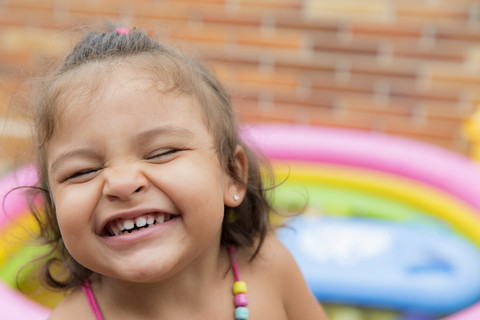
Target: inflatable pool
[
  {"x": 14, "y": 306},
  {"x": 335, "y": 200},
  {"x": 437, "y": 203},
  {"x": 408, "y": 267},
  {"x": 442, "y": 169},
  {"x": 15, "y": 228}
]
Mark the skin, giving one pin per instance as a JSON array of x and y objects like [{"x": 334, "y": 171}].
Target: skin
[{"x": 133, "y": 150}]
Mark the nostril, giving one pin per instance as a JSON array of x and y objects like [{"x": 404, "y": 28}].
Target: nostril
[{"x": 139, "y": 189}]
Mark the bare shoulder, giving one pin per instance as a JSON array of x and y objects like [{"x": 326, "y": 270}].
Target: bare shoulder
[
  {"x": 74, "y": 306},
  {"x": 279, "y": 268},
  {"x": 274, "y": 252}
]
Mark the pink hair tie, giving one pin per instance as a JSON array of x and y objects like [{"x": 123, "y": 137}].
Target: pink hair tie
[{"x": 122, "y": 30}]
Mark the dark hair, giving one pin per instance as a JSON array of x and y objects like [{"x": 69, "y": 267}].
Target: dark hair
[{"x": 243, "y": 226}]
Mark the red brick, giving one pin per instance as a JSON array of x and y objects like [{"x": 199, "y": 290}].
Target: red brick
[
  {"x": 15, "y": 60},
  {"x": 295, "y": 22},
  {"x": 283, "y": 100},
  {"x": 220, "y": 18},
  {"x": 309, "y": 103},
  {"x": 360, "y": 49},
  {"x": 462, "y": 33},
  {"x": 194, "y": 2},
  {"x": 251, "y": 113},
  {"x": 304, "y": 65},
  {"x": 200, "y": 35},
  {"x": 342, "y": 89},
  {"x": 32, "y": 5},
  {"x": 188, "y": 8},
  {"x": 254, "y": 76},
  {"x": 21, "y": 17},
  {"x": 272, "y": 5},
  {"x": 386, "y": 31},
  {"x": 424, "y": 96},
  {"x": 361, "y": 121},
  {"x": 33, "y": 41},
  {"x": 432, "y": 110},
  {"x": 15, "y": 149},
  {"x": 392, "y": 71},
  {"x": 347, "y": 10},
  {"x": 437, "y": 53},
  {"x": 433, "y": 128},
  {"x": 225, "y": 72},
  {"x": 208, "y": 12},
  {"x": 445, "y": 111},
  {"x": 428, "y": 12},
  {"x": 275, "y": 40},
  {"x": 232, "y": 58},
  {"x": 87, "y": 7},
  {"x": 368, "y": 105},
  {"x": 455, "y": 76},
  {"x": 460, "y": 86}
]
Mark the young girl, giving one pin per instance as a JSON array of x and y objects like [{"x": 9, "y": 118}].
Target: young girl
[{"x": 154, "y": 206}]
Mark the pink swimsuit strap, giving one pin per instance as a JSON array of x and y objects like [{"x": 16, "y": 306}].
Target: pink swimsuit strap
[{"x": 87, "y": 290}]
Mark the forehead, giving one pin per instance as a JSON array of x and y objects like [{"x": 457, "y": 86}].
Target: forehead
[
  {"x": 91, "y": 86},
  {"x": 126, "y": 107}
]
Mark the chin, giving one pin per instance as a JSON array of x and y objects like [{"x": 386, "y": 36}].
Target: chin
[{"x": 143, "y": 274}]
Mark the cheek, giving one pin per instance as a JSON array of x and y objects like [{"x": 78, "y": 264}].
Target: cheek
[
  {"x": 196, "y": 190},
  {"x": 74, "y": 209},
  {"x": 73, "y": 217}
]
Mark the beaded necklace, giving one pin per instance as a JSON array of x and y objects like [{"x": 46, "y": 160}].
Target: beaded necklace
[{"x": 239, "y": 291}]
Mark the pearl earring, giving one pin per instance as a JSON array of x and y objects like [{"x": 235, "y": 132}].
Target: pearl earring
[{"x": 236, "y": 197}]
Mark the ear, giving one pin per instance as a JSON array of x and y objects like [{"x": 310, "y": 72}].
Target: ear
[{"x": 235, "y": 191}]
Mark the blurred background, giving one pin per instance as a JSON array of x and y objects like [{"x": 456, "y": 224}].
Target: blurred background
[{"x": 406, "y": 68}]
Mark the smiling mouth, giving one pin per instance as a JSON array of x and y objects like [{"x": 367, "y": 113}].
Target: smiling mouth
[{"x": 125, "y": 226}]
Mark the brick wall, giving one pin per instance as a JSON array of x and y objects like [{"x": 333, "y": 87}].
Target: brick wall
[{"x": 405, "y": 67}]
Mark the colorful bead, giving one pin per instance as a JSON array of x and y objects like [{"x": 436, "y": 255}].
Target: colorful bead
[
  {"x": 239, "y": 287},
  {"x": 241, "y": 313},
  {"x": 241, "y": 300}
]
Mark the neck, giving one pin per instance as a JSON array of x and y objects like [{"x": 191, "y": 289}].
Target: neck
[{"x": 189, "y": 290}]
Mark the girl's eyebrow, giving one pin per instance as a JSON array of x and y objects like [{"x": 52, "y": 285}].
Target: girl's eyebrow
[
  {"x": 64, "y": 157},
  {"x": 163, "y": 131}
]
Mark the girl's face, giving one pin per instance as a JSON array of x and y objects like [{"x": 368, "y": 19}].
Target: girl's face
[{"x": 138, "y": 188}]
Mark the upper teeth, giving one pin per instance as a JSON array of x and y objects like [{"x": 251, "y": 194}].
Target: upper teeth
[
  {"x": 121, "y": 226},
  {"x": 141, "y": 221}
]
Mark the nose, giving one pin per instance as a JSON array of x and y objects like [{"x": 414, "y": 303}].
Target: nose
[{"x": 123, "y": 183}]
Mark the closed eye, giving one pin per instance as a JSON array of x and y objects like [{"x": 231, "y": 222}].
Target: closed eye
[
  {"x": 82, "y": 175},
  {"x": 162, "y": 154}
]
